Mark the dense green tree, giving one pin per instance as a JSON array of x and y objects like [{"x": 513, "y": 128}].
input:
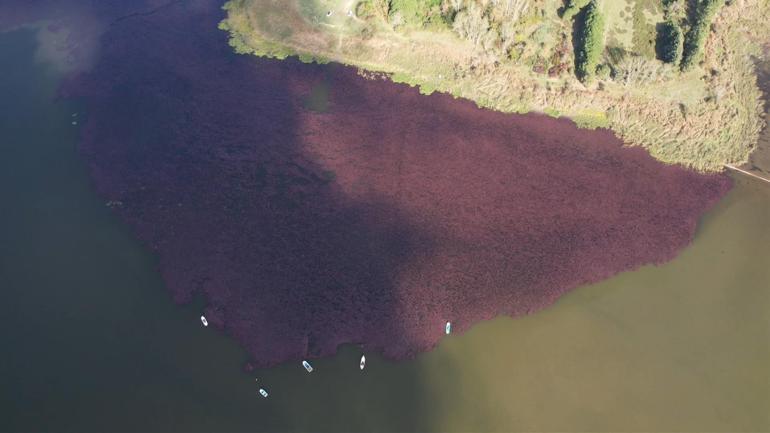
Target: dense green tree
[
  {"x": 670, "y": 42},
  {"x": 695, "y": 38},
  {"x": 590, "y": 42}
]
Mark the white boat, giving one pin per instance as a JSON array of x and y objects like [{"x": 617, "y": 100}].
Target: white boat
[
  {"x": 263, "y": 392},
  {"x": 307, "y": 366},
  {"x": 362, "y": 364},
  {"x": 204, "y": 321},
  {"x": 448, "y": 328}
]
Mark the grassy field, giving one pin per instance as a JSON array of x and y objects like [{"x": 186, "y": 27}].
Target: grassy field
[{"x": 704, "y": 118}]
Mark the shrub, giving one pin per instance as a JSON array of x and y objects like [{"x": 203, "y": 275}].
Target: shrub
[
  {"x": 670, "y": 43},
  {"x": 471, "y": 24},
  {"x": 696, "y": 36},
  {"x": 573, "y": 7},
  {"x": 552, "y": 112},
  {"x": 590, "y": 43},
  {"x": 415, "y": 12},
  {"x": 635, "y": 70},
  {"x": 373, "y": 8},
  {"x": 603, "y": 72}
]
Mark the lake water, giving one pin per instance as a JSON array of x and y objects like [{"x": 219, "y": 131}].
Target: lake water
[{"x": 91, "y": 340}]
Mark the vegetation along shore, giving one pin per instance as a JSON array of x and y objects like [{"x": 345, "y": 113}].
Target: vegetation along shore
[{"x": 674, "y": 76}]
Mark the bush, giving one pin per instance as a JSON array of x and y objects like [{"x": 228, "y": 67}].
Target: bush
[
  {"x": 635, "y": 70},
  {"x": 670, "y": 43},
  {"x": 696, "y": 37},
  {"x": 590, "y": 43},
  {"x": 373, "y": 8},
  {"x": 471, "y": 24},
  {"x": 416, "y": 12},
  {"x": 603, "y": 72},
  {"x": 573, "y": 7}
]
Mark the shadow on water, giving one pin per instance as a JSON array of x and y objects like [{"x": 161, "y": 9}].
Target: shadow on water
[
  {"x": 759, "y": 161},
  {"x": 91, "y": 338},
  {"x": 92, "y": 341}
]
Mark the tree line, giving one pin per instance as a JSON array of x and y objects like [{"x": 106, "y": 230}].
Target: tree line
[
  {"x": 589, "y": 45},
  {"x": 695, "y": 38}
]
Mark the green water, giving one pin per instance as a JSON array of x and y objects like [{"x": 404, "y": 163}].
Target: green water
[
  {"x": 92, "y": 342},
  {"x": 318, "y": 99}
]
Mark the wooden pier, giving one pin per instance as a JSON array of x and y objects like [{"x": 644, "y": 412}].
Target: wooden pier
[{"x": 748, "y": 173}]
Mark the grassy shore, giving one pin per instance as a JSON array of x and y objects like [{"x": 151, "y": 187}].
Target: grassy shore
[{"x": 704, "y": 118}]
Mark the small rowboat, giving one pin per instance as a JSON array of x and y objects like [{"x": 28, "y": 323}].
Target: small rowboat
[
  {"x": 307, "y": 366},
  {"x": 204, "y": 321},
  {"x": 362, "y": 364},
  {"x": 262, "y": 392},
  {"x": 448, "y": 328}
]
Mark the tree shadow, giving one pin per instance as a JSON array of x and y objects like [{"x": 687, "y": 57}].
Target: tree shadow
[
  {"x": 578, "y": 26},
  {"x": 660, "y": 41}
]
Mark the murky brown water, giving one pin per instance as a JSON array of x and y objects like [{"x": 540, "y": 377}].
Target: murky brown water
[
  {"x": 685, "y": 346},
  {"x": 92, "y": 342}
]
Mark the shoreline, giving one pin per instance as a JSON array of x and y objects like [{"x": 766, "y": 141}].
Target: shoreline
[
  {"x": 748, "y": 173},
  {"x": 759, "y": 160},
  {"x": 374, "y": 222},
  {"x": 705, "y": 136}
]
